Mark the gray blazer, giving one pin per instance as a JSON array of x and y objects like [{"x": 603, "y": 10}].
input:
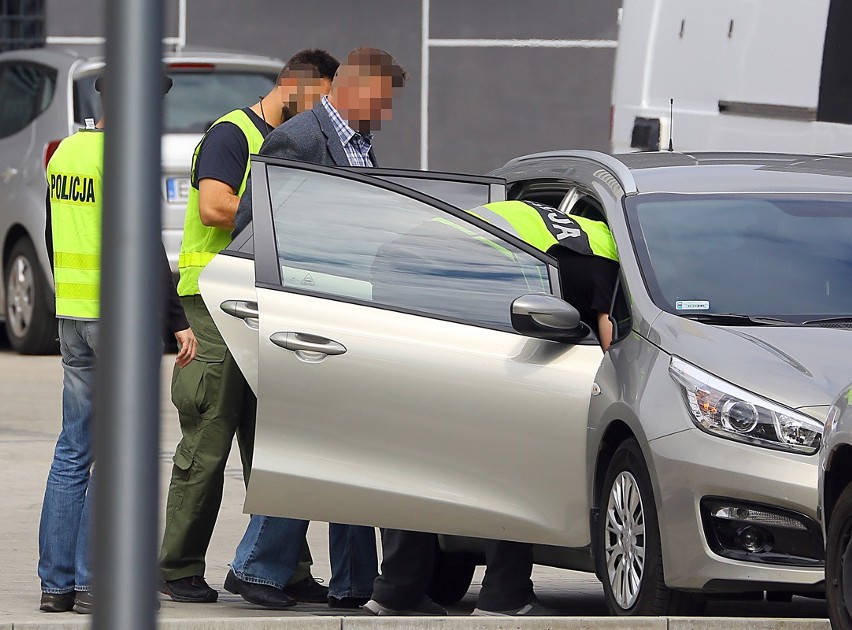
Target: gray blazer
[{"x": 307, "y": 137}]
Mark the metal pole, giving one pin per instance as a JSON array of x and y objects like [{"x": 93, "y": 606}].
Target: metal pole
[{"x": 127, "y": 400}]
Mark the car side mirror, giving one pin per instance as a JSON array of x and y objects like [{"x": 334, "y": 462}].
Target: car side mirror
[{"x": 547, "y": 317}]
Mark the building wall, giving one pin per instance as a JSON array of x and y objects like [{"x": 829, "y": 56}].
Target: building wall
[{"x": 486, "y": 104}]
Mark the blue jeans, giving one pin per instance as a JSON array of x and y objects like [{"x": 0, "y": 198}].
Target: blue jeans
[
  {"x": 63, "y": 537},
  {"x": 269, "y": 554}
]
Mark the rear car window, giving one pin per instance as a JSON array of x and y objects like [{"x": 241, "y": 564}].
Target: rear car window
[
  {"x": 26, "y": 90},
  {"x": 196, "y": 100}
]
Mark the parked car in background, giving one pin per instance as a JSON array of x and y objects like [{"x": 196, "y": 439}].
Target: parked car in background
[
  {"x": 46, "y": 95},
  {"x": 835, "y": 495},
  {"x": 433, "y": 379}
]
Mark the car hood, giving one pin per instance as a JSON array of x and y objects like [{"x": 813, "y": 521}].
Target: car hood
[{"x": 795, "y": 366}]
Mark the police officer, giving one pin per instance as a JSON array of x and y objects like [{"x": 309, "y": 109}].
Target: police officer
[
  {"x": 75, "y": 176},
  {"x": 214, "y": 401},
  {"x": 585, "y": 249}
]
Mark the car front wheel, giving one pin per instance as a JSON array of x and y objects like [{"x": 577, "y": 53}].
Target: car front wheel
[
  {"x": 628, "y": 550},
  {"x": 30, "y": 313},
  {"x": 838, "y": 562}
]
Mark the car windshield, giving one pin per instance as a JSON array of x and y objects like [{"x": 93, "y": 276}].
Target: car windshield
[
  {"x": 197, "y": 98},
  {"x": 760, "y": 255}
]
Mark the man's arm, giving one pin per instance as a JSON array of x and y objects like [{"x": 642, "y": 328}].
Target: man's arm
[
  {"x": 295, "y": 141},
  {"x": 220, "y": 168},
  {"x": 217, "y": 203},
  {"x": 285, "y": 143},
  {"x": 604, "y": 330}
]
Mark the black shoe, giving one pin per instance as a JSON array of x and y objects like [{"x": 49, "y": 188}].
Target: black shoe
[
  {"x": 57, "y": 602},
  {"x": 347, "y": 602},
  {"x": 84, "y": 603},
  {"x": 308, "y": 591},
  {"x": 191, "y": 589},
  {"x": 259, "y": 594}
]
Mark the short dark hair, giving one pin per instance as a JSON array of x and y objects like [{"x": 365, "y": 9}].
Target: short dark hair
[
  {"x": 320, "y": 62},
  {"x": 380, "y": 62}
]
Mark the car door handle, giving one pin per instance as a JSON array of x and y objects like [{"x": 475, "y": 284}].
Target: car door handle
[
  {"x": 297, "y": 342},
  {"x": 246, "y": 311},
  {"x": 239, "y": 308}
]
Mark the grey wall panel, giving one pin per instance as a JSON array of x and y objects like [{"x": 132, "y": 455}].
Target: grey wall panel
[
  {"x": 486, "y": 104},
  {"x": 489, "y": 105},
  {"x": 80, "y": 18},
  {"x": 547, "y": 19},
  {"x": 85, "y": 18},
  {"x": 280, "y": 28}
]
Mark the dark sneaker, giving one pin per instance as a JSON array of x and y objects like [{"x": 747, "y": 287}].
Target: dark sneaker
[
  {"x": 347, "y": 602},
  {"x": 309, "y": 591},
  {"x": 258, "y": 594},
  {"x": 191, "y": 589},
  {"x": 84, "y": 603},
  {"x": 424, "y": 607},
  {"x": 57, "y": 602}
]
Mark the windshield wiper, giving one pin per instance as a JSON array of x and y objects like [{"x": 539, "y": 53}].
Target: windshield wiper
[{"x": 734, "y": 319}]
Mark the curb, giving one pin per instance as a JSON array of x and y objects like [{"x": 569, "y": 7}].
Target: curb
[{"x": 451, "y": 623}]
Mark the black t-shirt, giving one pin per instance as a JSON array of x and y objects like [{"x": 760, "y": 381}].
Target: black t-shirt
[
  {"x": 224, "y": 152},
  {"x": 588, "y": 283}
]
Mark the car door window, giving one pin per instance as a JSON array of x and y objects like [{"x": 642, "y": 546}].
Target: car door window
[
  {"x": 26, "y": 90},
  {"x": 353, "y": 240}
]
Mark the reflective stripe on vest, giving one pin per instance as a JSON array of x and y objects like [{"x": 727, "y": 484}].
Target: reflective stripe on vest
[
  {"x": 544, "y": 226},
  {"x": 74, "y": 179},
  {"x": 200, "y": 242}
]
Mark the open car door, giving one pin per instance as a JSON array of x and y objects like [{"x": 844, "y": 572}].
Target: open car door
[{"x": 392, "y": 388}]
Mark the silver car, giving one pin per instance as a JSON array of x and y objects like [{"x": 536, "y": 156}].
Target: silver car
[
  {"x": 835, "y": 508},
  {"x": 416, "y": 367},
  {"x": 46, "y": 95}
]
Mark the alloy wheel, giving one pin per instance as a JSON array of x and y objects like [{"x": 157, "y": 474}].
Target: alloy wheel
[
  {"x": 20, "y": 295},
  {"x": 625, "y": 539}
]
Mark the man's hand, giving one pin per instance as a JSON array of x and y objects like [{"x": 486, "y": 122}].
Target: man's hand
[{"x": 187, "y": 347}]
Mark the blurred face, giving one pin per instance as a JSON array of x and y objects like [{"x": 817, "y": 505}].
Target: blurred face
[
  {"x": 300, "y": 92},
  {"x": 364, "y": 99}
]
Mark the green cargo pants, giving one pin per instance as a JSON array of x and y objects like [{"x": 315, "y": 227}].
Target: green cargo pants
[{"x": 214, "y": 404}]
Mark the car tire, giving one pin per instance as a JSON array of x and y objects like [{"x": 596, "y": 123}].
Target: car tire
[
  {"x": 838, "y": 562},
  {"x": 451, "y": 578},
  {"x": 30, "y": 310},
  {"x": 628, "y": 541}
]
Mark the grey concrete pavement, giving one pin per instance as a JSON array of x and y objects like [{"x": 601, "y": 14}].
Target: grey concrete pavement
[{"x": 30, "y": 391}]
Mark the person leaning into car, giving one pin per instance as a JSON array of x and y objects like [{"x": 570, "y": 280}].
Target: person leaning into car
[
  {"x": 588, "y": 267},
  {"x": 585, "y": 250},
  {"x": 75, "y": 177},
  {"x": 338, "y": 131},
  {"x": 214, "y": 401}
]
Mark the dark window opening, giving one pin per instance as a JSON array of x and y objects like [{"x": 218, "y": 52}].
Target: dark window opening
[{"x": 835, "y": 88}]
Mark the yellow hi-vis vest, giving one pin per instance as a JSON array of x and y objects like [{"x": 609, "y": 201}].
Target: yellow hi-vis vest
[
  {"x": 201, "y": 242},
  {"x": 75, "y": 183},
  {"x": 544, "y": 226}
]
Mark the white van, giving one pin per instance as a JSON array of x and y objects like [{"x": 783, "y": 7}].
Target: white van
[{"x": 751, "y": 75}]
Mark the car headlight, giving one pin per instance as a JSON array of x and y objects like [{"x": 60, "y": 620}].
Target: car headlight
[{"x": 725, "y": 410}]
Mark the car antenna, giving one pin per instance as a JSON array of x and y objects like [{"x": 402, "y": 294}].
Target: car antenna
[{"x": 671, "y": 123}]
